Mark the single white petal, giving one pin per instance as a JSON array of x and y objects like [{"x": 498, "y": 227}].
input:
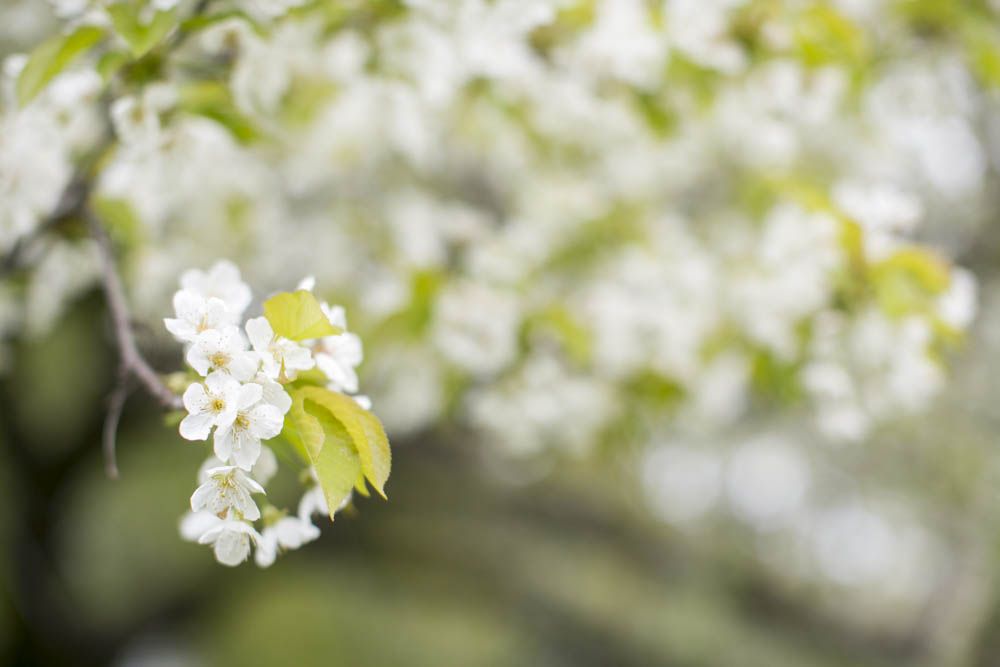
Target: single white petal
[
  {"x": 260, "y": 333},
  {"x": 217, "y": 314},
  {"x": 246, "y": 450},
  {"x": 266, "y": 466},
  {"x": 267, "y": 548},
  {"x": 208, "y": 467},
  {"x": 297, "y": 357},
  {"x": 335, "y": 314},
  {"x": 232, "y": 548},
  {"x": 294, "y": 532},
  {"x": 214, "y": 532},
  {"x": 224, "y": 441},
  {"x": 189, "y": 306},
  {"x": 250, "y": 393},
  {"x": 244, "y": 366},
  {"x": 221, "y": 383},
  {"x": 274, "y": 393},
  {"x": 195, "y": 524},
  {"x": 197, "y": 426},
  {"x": 195, "y": 398},
  {"x": 182, "y": 330},
  {"x": 266, "y": 421},
  {"x": 252, "y": 485},
  {"x": 244, "y": 504},
  {"x": 203, "y": 496}
]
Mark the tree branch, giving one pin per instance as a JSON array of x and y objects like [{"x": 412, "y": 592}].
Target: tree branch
[
  {"x": 70, "y": 201},
  {"x": 116, "y": 403},
  {"x": 132, "y": 360},
  {"x": 133, "y": 364}
]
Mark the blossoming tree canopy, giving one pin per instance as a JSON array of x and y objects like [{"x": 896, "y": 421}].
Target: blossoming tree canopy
[
  {"x": 245, "y": 396},
  {"x": 561, "y": 225}
]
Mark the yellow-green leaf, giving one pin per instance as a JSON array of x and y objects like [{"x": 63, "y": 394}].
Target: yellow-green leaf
[
  {"x": 928, "y": 270},
  {"x": 337, "y": 464},
  {"x": 141, "y": 36},
  {"x": 301, "y": 427},
  {"x": 324, "y": 443},
  {"x": 298, "y": 316},
  {"x": 51, "y": 58},
  {"x": 363, "y": 428}
]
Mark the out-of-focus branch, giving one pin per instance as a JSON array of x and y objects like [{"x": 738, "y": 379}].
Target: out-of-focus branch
[
  {"x": 133, "y": 364},
  {"x": 72, "y": 198}
]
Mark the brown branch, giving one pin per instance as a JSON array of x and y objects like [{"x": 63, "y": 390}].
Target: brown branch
[{"x": 133, "y": 364}]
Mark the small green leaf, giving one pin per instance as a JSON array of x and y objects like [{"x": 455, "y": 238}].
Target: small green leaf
[
  {"x": 301, "y": 428},
  {"x": 141, "y": 37},
  {"x": 298, "y": 316},
  {"x": 337, "y": 463},
  {"x": 928, "y": 270},
  {"x": 51, "y": 58},
  {"x": 120, "y": 219},
  {"x": 323, "y": 442},
  {"x": 111, "y": 62},
  {"x": 363, "y": 428}
]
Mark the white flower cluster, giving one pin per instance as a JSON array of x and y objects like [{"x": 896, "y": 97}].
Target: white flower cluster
[
  {"x": 705, "y": 196},
  {"x": 240, "y": 402}
]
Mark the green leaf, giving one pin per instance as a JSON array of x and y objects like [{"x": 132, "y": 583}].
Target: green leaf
[
  {"x": 141, "y": 37},
  {"x": 213, "y": 99},
  {"x": 326, "y": 445},
  {"x": 111, "y": 62},
  {"x": 926, "y": 269},
  {"x": 298, "y": 316},
  {"x": 51, "y": 58},
  {"x": 363, "y": 428},
  {"x": 120, "y": 219}
]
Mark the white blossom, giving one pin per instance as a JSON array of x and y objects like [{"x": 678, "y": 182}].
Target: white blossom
[
  {"x": 239, "y": 443},
  {"x": 227, "y": 487},
  {"x": 195, "y": 524},
  {"x": 231, "y": 540},
  {"x": 285, "y": 533},
  {"x": 222, "y": 281},
  {"x": 195, "y": 315},
  {"x": 273, "y": 392},
  {"x": 338, "y": 356},
  {"x": 213, "y": 403},
  {"x": 223, "y": 349},
  {"x": 279, "y": 356}
]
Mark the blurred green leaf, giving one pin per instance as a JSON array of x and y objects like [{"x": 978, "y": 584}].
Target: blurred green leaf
[
  {"x": 52, "y": 57},
  {"x": 120, "y": 219},
  {"x": 111, "y": 62},
  {"x": 141, "y": 36},
  {"x": 213, "y": 99}
]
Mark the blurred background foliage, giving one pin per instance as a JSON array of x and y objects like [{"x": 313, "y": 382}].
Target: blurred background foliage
[
  {"x": 644, "y": 538},
  {"x": 461, "y": 567}
]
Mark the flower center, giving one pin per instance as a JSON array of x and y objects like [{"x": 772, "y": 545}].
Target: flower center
[{"x": 219, "y": 360}]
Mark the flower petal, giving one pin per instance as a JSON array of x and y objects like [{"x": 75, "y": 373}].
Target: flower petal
[{"x": 197, "y": 426}]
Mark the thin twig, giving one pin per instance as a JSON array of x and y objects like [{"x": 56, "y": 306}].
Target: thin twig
[
  {"x": 132, "y": 360},
  {"x": 116, "y": 403}
]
